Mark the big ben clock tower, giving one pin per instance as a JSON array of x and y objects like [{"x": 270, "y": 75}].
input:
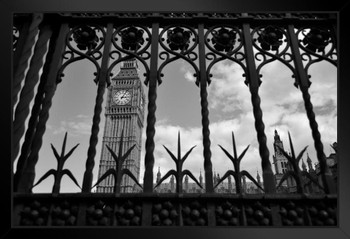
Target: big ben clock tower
[{"x": 124, "y": 112}]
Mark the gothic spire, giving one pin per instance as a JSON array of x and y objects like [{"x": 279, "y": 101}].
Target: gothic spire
[
  {"x": 308, "y": 160},
  {"x": 277, "y": 137},
  {"x": 172, "y": 183},
  {"x": 186, "y": 184},
  {"x": 214, "y": 177},
  {"x": 158, "y": 175},
  {"x": 303, "y": 165},
  {"x": 309, "y": 163},
  {"x": 244, "y": 185}
]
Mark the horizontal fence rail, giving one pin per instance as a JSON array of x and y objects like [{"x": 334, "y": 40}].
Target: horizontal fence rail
[
  {"x": 249, "y": 40},
  {"x": 108, "y": 210}
]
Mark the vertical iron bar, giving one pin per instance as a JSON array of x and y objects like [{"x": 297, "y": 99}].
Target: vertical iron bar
[
  {"x": 205, "y": 124},
  {"x": 33, "y": 120},
  {"x": 23, "y": 53},
  {"x": 151, "y": 117},
  {"x": 90, "y": 161},
  {"x": 150, "y": 129},
  {"x": 303, "y": 80},
  {"x": 28, "y": 176},
  {"x": 205, "y": 111},
  {"x": 254, "y": 82},
  {"x": 27, "y": 93}
]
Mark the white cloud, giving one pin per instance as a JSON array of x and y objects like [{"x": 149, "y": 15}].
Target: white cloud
[
  {"x": 190, "y": 77},
  {"x": 188, "y": 71},
  {"x": 78, "y": 125},
  {"x": 227, "y": 89}
]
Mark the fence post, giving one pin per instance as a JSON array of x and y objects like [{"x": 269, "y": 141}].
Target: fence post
[
  {"x": 303, "y": 82},
  {"x": 254, "y": 83},
  {"x": 151, "y": 117},
  {"x": 150, "y": 129},
  {"x": 90, "y": 162},
  {"x": 50, "y": 73},
  {"x": 27, "y": 92},
  {"x": 23, "y": 52},
  {"x": 33, "y": 120},
  {"x": 205, "y": 112}
]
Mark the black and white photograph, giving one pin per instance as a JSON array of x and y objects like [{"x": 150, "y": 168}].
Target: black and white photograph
[{"x": 177, "y": 119}]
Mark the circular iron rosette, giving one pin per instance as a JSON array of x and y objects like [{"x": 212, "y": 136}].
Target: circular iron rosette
[
  {"x": 179, "y": 41},
  {"x": 130, "y": 42},
  {"x": 317, "y": 44},
  {"x": 272, "y": 43},
  {"x": 83, "y": 42},
  {"x": 224, "y": 43}
]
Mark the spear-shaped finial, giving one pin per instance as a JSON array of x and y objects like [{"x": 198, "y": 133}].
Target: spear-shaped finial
[
  {"x": 58, "y": 174},
  {"x": 178, "y": 173}
]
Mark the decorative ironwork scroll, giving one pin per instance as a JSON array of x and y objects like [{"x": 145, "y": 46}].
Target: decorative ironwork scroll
[
  {"x": 83, "y": 43},
  {"x": 226, "y": 41},
  {"x": 272, "y": 43},
  {"x": 317, "y": 44},
  {"x": 134, "y": 42},
  {"x": 179, "y": 44}
]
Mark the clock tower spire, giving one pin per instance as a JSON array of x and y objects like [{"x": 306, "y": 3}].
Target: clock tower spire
[{"x": 124, "y": 111}]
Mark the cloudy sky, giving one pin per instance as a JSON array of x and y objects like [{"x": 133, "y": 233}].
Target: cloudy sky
[{"x": 178, "y": 110}]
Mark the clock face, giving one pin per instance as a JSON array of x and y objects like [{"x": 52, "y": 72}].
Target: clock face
[{"x": 122, "y": 97}]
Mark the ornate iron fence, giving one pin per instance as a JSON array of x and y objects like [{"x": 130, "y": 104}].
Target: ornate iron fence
[{"x": 202, "y": 40}]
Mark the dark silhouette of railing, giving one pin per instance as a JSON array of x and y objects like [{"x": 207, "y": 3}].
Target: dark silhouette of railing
[{"x": 249, "y": 40}]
